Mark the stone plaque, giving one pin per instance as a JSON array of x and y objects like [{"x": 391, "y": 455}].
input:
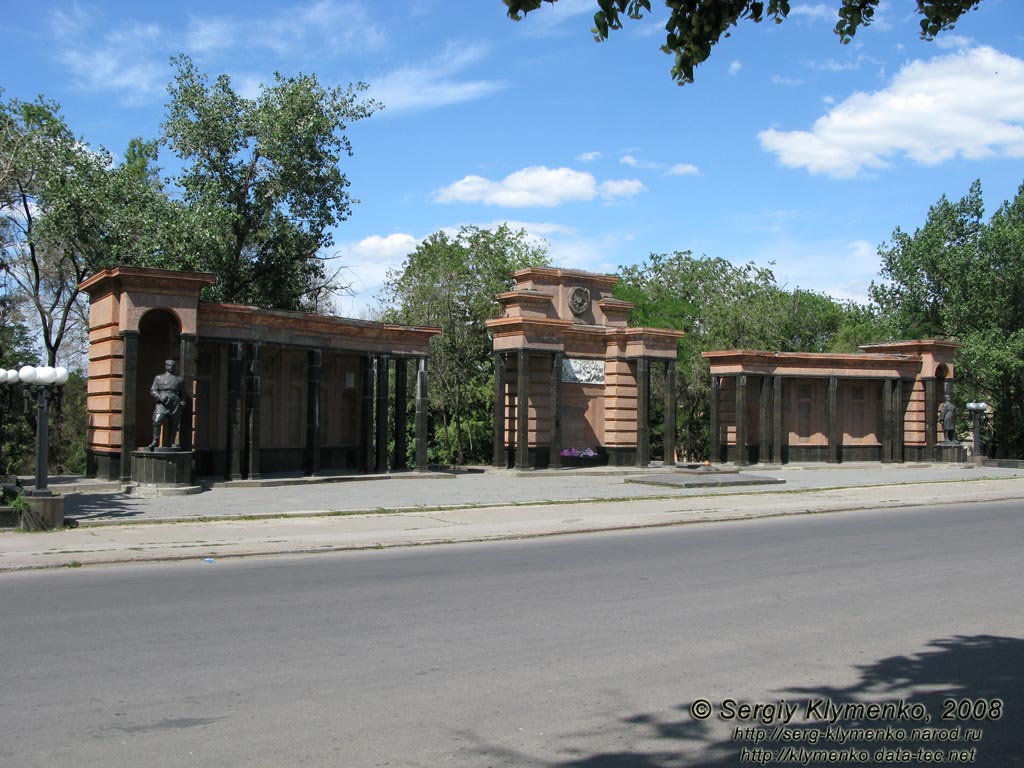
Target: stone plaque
[{"x": 580, "y": 371}]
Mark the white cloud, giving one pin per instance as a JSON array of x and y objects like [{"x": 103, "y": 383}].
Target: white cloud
[
  {"x": 318, "y": 28},
  {"x": 863, "y": 254},
  {"x": 365, "y": 266},
  {"x": 588, "y": 157},
  {"x": 535, "y": 186},
  {"x": 831, "y": 65},
  {"x": 130, "y": 57},
  {"x": 119, "y": 60},
  {"x": 735, "y": 67},
  {"x": 837, "y": 269},
  {"x": 969, "y": 104},
  {"x": 683, "y": 169},
  {"x": 817, "y": 12},
  {"x": 633, "y": 162},
  {"x": 206, "y": 35},
  {"x": 954, "y": 41},
  {"x": 547, "y": 19},
  {"x": 789, "y": 82},
  {"x": 678, "y": 169},
  {"x": 538, "y": 229},
  {"x": 621, "y": 188},
  {"x": 389, "y": 248},
  {"x": 434, "y": 84}
]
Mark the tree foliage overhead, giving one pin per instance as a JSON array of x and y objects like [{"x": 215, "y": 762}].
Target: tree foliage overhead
[
  {"x": 262, "y": 181},
  {"x": 694, "y": 26},
  {"x": 450, "y": 281},
  {"x": 959, "y": 276}
]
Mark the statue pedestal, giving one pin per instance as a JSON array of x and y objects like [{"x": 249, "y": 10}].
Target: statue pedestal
[
  {"x": 163, "y": 472},
  {"x": 950, "y": 452},
  {"x": 45, "y": 513}
]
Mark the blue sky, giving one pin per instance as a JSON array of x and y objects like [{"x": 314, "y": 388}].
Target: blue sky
[{"x": 790, "y": 148}]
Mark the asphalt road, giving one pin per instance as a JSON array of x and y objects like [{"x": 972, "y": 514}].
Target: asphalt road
[{"x": 583, "y": 651}]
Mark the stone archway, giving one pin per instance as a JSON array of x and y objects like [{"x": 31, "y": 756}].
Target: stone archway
[{"x": 159, "y": 340}]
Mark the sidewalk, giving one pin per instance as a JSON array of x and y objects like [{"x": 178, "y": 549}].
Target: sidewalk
[{"x": 366, "y": 512}]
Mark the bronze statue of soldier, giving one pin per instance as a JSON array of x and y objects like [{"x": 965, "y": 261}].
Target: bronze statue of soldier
[
  {"x": 169, "y": 392},
  {"x": 947, "y": 416}
]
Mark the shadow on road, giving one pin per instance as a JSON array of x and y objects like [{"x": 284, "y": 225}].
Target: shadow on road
[{"x": 961, "y": 677}]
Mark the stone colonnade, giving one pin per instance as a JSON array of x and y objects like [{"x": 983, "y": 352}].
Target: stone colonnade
[
  {"x": 880, "y": 405},
  {"x": 270, "y": 391}
]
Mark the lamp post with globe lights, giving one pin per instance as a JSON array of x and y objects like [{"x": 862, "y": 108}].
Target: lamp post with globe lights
[{"x": 46, "y": 383}]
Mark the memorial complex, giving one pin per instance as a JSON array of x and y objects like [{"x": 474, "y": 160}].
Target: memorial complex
[{"x": 238, "y": 392}]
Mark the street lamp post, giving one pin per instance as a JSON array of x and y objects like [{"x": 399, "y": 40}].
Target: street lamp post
[
  {"x": 977, "y": 411},
  {"x": 46, "y": 383}
]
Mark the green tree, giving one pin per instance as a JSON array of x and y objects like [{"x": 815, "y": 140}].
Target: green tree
[
  {"x": 959, "y": 276},
  {"x": 16, "y": 349},
  {"x": 450, "y": 281},
  {"x": 694, "y": 26},
  {"x": 262, "y": 182},
  {"x": 64, "y": 213}
]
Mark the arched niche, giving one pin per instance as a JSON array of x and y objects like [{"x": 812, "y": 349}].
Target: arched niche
[{"x": 159, "y": 340}]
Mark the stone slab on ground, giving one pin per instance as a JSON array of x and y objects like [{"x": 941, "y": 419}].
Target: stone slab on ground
[{"x": 705, "y": 479}]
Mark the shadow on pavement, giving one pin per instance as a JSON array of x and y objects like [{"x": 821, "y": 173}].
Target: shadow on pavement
[
  {"x": 100, "y": 506},
  {"x": 974, "y": 681}
]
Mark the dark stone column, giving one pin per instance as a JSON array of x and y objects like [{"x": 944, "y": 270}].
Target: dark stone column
[
  {"x": 898, "y": 426},
  {"x": 235, "y": 411},
  {"x": 764, "y": 422},
  {"x": 777, "y": 431},
  {"x": 366, "y": 452},
  {"x": 253, "y": 406},
  {"x": 314, "y": 373},
  {"x": 832, "y": 420},
  {"x": 643, "y": 412},
  {"x": 383, "y": 385},
  {"x": 714, "y": 441},
  {"x": 887, "y": 422},
  {"x": 129, "y": 406},
  {"x": 670, "y": 413},
  {"x": 555, "y": 448},
  {"x": 189, "y": 353},
  {"x": 931, "y": 409},
  {"x": 523, "y": 409},
  {"x": 740, "y": 455},
  {"x": 422, "y": 436},
  {"x": 400, "y": 461},
  {"x": 511, "y": 433},
  {"x": 500, "y": 453}
]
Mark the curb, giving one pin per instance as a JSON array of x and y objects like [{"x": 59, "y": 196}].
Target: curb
[{"x": 298, "y": 551}]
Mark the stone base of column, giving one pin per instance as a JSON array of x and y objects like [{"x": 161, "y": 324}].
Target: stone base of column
[{"x": 103, "y": 465}]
